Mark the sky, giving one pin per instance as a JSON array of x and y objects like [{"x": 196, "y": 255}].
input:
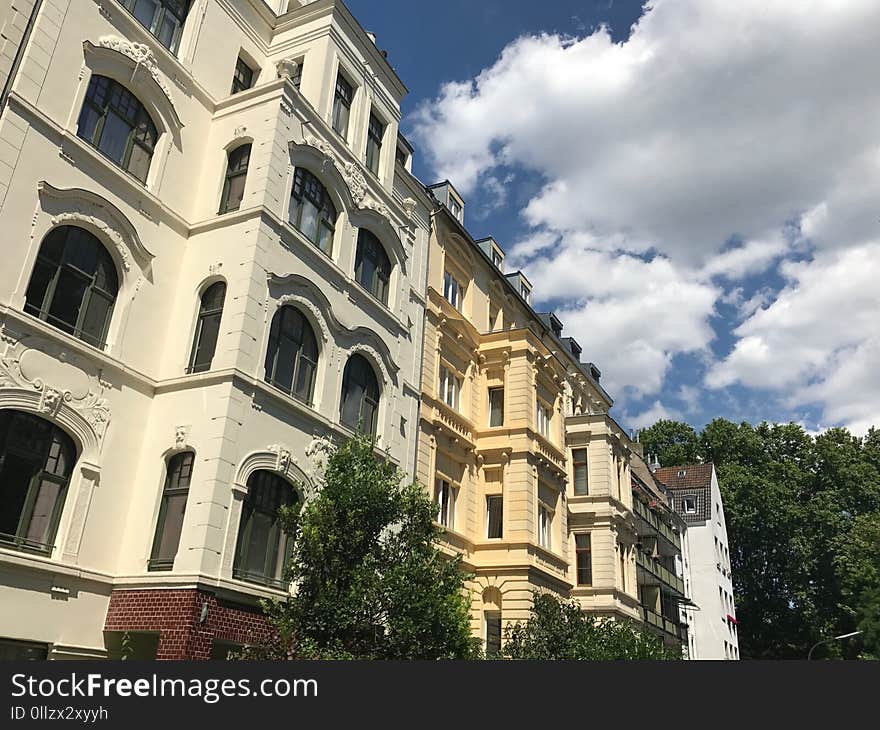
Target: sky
[{"x": 692, "y": 186}]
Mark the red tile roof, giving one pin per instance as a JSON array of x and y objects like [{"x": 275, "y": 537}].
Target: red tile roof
[{"x": 695, "y": 475}]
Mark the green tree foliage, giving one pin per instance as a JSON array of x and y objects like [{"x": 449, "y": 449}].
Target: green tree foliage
[
  {"x": 370, "y": 584},
  {"x": 671, "y": 442},
  {"x": 803, "y": 518},
  {"x": 559, "y": 629}
]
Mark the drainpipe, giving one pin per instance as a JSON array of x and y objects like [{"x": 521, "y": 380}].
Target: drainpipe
[
  {"x": 19, "y": 54},
  {"x": 422, "y": 344}
]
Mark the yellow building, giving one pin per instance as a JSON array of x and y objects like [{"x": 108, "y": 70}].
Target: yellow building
[{"x": 530, "y": 473}]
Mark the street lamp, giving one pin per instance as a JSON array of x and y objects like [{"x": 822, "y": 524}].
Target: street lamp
[{"x": 833, "y": 638}]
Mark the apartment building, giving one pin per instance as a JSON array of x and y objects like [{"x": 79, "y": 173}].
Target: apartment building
[
  {"x": 664, "y": 585},
  {"x": 531, "y": 475},
  {"x": 214, "y": 262},
  {"x": 696, "y": 496}
]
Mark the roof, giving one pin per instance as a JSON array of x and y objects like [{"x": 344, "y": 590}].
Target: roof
[{"x": 695, "y": 476}]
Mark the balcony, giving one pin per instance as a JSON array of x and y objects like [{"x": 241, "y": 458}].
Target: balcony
[
  {"x": 654, "y": 569},
  {"x": 647, "y": 515},
  {"x": 661, "y": 623}
]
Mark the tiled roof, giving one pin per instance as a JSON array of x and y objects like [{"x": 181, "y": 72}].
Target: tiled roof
[{"x": 695, "y": 475}]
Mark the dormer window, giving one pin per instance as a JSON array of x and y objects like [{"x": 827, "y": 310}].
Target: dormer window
[
  {"x": 497, "y": 260},
  {"x": 455, "y": 208},
  {"x": 401, "y": 157},
  {"x": 682, "y": 472},
  {"x": 526, "y": 293}
]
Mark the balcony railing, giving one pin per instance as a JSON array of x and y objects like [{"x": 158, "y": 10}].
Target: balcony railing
[
  {"x": 663, "y": 574},
  {"x": 655, "y": 522},
  {"x": 664, "y": 624}
]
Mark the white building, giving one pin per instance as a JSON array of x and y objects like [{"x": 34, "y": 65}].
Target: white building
[
  {"x": 712, "y": 632},
  {"x": 238, "y": 342}
]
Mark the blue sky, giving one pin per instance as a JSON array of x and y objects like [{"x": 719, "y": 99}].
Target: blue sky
[{"x": 692, "y": 187}]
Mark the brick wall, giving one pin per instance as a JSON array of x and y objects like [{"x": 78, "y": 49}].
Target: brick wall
[{"x": 175, "y": 615}]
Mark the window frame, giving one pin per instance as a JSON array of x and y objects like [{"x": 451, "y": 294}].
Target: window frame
[
  {"x": 324, "y": 221},
  {"x": 64, "y": 268},
  {"x": 453, "y": 291},
  {"x": 206, "y": 315},
  {"x": 499, "y": 498},
  {"x": 375, "y": 403},
  {"x": 543, "y": 418},
  {"x": 370, "y": 248},
  {"x": 487, "y": 617},
  {"x": 240, "y": 84},
  {"x": 376, "y": 129},
  {"x": 343, "y": 98},
  {"x": 276, "y": 334},
  {"x": 580, "y": 551},
  {"x": 545, "y": 526},
  {"x": 496, "y": 408},
  {"x": 53, "y": 435},
  {"x": 582, "y": 466},
  {"x": 169, "y": 491},
  {"x": 103, "y": 111},
  {"x": 446, "y": 508},
  {"x": 684, "y": 505},
  {"x": 451, "y": 385},
  {"x": 238, "y": 162}
]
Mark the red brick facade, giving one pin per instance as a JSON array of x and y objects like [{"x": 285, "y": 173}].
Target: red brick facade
[{"x": 176, "y": 615}]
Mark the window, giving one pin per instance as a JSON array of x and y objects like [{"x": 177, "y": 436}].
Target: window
[
  {"x": 622, "y": 555},
  {"x": 584, "y": 553},
  {"x": 401, "y": 157},
  {"x": 496, "y": 259},
  {"x": 543, "y": 418},
  {"x": 682, "y": 472},
  {"x": 163, "y": 18},
  {"x": 22, "y": 651},
  {"x": 689, "y": 505},
  {"x": 342, "y": 99},
  {"x": 455, "y": 208},
  {"x": 450, "y": 388},
  {"x": 494, "y": 516},
  {"x": 74, "y": 284},
  {"x": 526, "y": 293},
  {"x": 36, "y": 460},
  {"x": 375, "y": 133},
  {"x": 236, "y": 176},
  {"x": 263, "y": 548},
  {"x": 178, "y": 476},
  {"x": 446, "y": 497},
  {"x": 372, "y": 267},
  {"x": 207, "y": 328},
  {"x": 452, "y": 290},
  {"x": 493, "y": 635},
  {"x": 114, "y": 122},
  {"x": 243, "y": 78},
  {"x": 496, "y": 407},
  {"x": 360, "y": 396},
  {"x": 545, "y": 520},
  {"x": 581, "y": 472},
  {"x": 292, "y": 355},
  {"x": 312, "y": 211},
  {"x": 297, "y": 77}
]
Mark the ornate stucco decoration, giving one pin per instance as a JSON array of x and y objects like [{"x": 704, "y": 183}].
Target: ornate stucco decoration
[
  {"x": 140, "y": 54},
  {"x": 181, "y": 434},
  {"x": 55, "y": 382},
  {"x": 287, "y": 68},
  {"x": 306, "y": 304},
  {"x": 354, "y": 178},
  {"x": 317, "y": 452},
  {"x": 283, "y": 457}
]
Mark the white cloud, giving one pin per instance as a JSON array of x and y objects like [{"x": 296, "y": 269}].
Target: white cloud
[
  {"x": 653, "y": 414},
  {"x": 715, "y": 121}
]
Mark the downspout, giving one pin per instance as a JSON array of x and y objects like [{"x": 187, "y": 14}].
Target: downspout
[
  {"x": 19, "y": 54},
  {"x": 422, "y": 345}
]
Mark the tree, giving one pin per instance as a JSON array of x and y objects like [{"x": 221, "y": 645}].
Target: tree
[
  {"x": 559, "y": 629},
  {"x": 369, "y": 582},
  {"x": 672, "y": 442}
]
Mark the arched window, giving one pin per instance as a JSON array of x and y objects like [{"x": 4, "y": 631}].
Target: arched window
[
  {"x": 36, "y": 460},
  {"x": 163, "y": 18},
  {"x": 312, "y": 211},
  {"x": 116, "y": 123},
  {"x": 207, "y": 328},
  {"x": 360, "y": 396},
  {"x": 236, "y": 176},
  {"x": 178, "y": 475},
  {"x": 372, "y": 267},
  {"x": 74, "y": 284},
  {"x": 263, "y": 547},
  {"x": 292, "y": 355}
]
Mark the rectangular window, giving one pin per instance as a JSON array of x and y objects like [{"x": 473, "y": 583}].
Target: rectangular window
[
  {"x": 342, "y": 99},
  {"x": 496, "y": 407},
  {"x": 375, "y": 133},
  {"x": 689, "y": 505},
  {"x": 455, "y": 208},
  {"x": 401, "y": 156},
  {"x": 622, "y": 551},
  {"x": 446, "y": 494},
  {"x": 526, "y": 294},
  {"x": 178, "y": 476},
  {"x": 243, "y": 78},
  {"x": 493, "y": 634},
  {"x": 581, "y": 473},
  {"x": 543, "y": 417},
  {"x": 450, "y": 388},
  {"x": 496, "y": 259},
  {"x": 452, "y": 290},
  {"x": 22, "y": 651},
  {"x": 494, "y": 516},
  {"x": 584, "y": 552},
  {"x": 545, "y": 520}
]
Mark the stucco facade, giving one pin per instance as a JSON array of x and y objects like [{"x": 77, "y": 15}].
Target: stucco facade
[
  {"x": 507, "y": 409},
  {"x": 133, "y": 400}
]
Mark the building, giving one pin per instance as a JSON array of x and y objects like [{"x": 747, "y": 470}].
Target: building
[
  {"x": 696, "y": 496},
  {"x": 663, "y": 586},
  {"x": 530, "y": 473},
  {"x": 214, "y": 265}
]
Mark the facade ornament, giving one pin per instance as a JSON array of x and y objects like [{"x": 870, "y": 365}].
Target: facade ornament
[
  {"x": 239, "y": 131},
  {"x": 111, "y": 234},
  {"x": 301, "y": 301},
  {"x": 283, "y": 458},
  {"x": 181, "y": 434},
  {"x": 141, "y": 54},
  {"x": 287, "y": 68},
  {"x": 318, "y": 452},
  {"x": 409, "y": 206}
]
